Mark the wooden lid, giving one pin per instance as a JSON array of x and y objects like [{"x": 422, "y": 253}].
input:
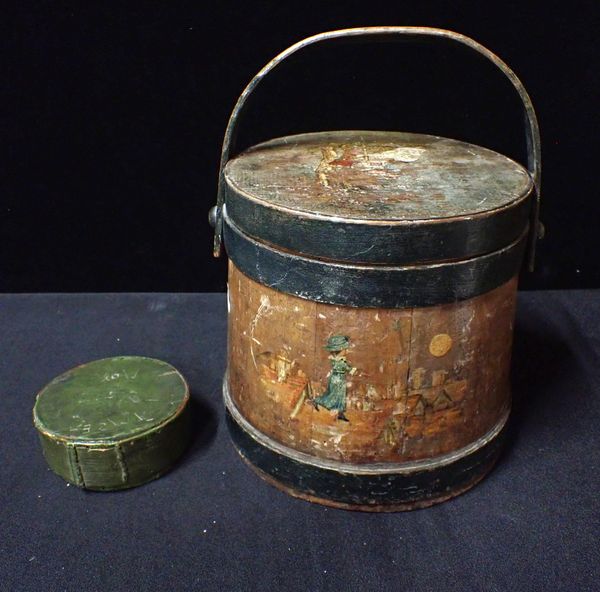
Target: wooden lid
[
  {"x": 113, "y": 423},
  {"x": 378, "y": 176},
  {"x": 312, "y": 192}
]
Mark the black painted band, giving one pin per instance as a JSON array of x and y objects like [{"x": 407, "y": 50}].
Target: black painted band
[
  {"x": 376, "y": 490},
  {"x": 373, "y": 286},
  {"x": 398, "y": 243}
]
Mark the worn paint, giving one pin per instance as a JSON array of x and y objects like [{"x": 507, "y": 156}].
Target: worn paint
[
  {"x": 428, "y": 233},
  {"x": 114, "y": 423},
  {"x": 437, "y": 403},
  {"x": 377, "y": 176}
]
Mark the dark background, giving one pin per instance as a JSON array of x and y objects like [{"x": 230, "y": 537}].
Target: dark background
[{"x": 112, "y": 121}]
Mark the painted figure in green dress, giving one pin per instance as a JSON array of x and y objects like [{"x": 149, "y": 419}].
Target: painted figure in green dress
[{"x": 334, "y": 398}]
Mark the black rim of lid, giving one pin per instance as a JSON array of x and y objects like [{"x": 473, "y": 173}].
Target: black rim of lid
[
  {"x": 383, "y": 242},
  {"x": 371, "y": 286}
]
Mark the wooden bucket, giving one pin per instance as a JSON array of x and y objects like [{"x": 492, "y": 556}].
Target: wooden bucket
[{"x": 372, "y": 288}]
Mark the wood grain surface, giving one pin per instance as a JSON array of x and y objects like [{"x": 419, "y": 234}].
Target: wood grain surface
[
  {"x": 375, "y": 175},
  {"x": 415, "y": 382}
]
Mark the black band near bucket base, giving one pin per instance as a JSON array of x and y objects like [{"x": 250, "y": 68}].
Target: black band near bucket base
[{"x": 369, "y": 491}]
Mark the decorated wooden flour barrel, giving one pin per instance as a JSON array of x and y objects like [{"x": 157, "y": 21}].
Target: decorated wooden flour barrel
[{"x": 371, "y": 295}]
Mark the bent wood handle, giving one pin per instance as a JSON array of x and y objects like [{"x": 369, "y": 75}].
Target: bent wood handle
[{"x": 532, "y": 133}]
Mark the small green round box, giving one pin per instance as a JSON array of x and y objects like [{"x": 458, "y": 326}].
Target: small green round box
[{"x": 114, "y": 423}]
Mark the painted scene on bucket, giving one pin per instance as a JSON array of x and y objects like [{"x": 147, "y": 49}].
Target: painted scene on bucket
[{"x": 364, "y": 384}]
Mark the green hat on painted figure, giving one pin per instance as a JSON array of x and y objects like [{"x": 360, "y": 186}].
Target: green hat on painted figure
[{"x": 337, "y": 343}]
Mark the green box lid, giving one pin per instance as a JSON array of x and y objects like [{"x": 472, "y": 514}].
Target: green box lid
[{"x": 114, "y": 423}]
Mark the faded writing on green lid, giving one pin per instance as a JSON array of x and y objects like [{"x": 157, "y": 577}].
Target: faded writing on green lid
[{"x": 110, "y": 399}]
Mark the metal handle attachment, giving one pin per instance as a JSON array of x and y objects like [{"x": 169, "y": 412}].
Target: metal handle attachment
[{"x": 532, "y": 133}]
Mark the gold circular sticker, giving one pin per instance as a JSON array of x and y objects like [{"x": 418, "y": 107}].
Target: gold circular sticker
[{"x": 440, "y": 345}]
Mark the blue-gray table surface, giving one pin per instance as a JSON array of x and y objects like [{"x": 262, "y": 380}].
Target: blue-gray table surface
[{"x": 211, "y": 524}]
